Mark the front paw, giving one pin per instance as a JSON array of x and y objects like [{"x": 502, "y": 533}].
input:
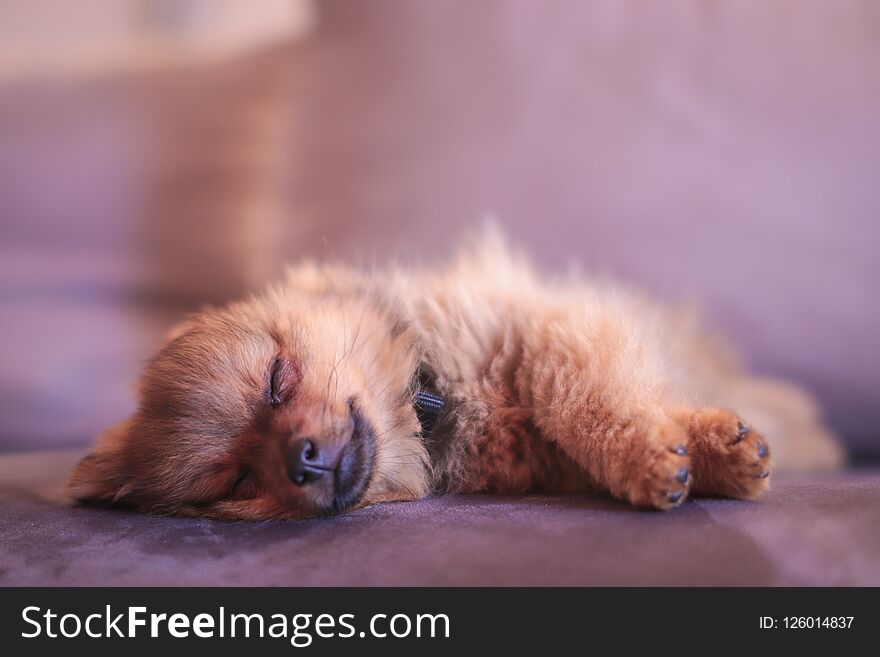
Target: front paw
[
  {"x": 657, "y": 470},
  {"x": 731, "y": 459}
]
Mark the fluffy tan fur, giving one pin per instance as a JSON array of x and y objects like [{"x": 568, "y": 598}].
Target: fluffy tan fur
[{"x": 565, "y": 385}]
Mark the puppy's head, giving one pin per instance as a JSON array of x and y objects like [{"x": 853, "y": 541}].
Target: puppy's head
[{"x": 294, "y": 404}]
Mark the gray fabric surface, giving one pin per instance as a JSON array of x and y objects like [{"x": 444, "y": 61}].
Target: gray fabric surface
[{"x": 823, "y": 531}]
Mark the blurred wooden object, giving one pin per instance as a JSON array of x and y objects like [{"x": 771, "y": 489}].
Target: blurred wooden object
[
  {"x": 143, "y": 146},
  {"x": 56, "y": 37}
]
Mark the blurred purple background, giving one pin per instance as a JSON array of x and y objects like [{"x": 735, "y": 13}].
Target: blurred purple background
[{"x": 724, "y": 152}]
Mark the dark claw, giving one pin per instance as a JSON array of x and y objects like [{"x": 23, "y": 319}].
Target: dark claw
[
  {"x": 674, "y": 497},
  {"x": 741, "y": 432},
  {"x": 682, "y": 475},
  {"x": 681, "y": 450},
  {"x": 762, "y": 450},
  {"x": 764, "y": 474}
]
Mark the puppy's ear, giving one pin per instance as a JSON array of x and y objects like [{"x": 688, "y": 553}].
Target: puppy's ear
[
  {"x": 178, "y": 329},
  {"x": 184, "y": 325},
  {"x": 101, "y": 476}
]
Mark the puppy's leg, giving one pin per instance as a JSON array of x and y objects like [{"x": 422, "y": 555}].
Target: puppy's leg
[
  {"x": 728, "y": 458},
  {"x": 596, "y": 386}
]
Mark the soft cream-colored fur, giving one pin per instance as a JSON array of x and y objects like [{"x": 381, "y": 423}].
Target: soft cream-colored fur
[{"x": 559, "y": 385}]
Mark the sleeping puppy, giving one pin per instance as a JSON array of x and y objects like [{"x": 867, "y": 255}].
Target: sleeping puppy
[{"x": 337, "y": 389}]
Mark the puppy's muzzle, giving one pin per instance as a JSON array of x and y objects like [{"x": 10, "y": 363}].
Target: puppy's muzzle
[{"x": 334, "y": 467}]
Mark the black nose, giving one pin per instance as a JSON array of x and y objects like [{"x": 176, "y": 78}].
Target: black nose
[{"x": 305, "y": 462}]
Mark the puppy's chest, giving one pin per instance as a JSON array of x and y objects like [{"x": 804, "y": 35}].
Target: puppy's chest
[{"x": 501, "y": 452}]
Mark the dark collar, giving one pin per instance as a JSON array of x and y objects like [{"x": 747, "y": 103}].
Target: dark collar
[{"x": 428, "y": 404}]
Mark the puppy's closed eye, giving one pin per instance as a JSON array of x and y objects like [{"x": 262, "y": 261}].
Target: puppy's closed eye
[
  {"x": 283, "y": 377},
  {"x": 243, "y": 487}
]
